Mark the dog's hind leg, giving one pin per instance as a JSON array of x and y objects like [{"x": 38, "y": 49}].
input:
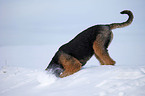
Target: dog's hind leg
[
  {"x": 70, "y": 64},
  {"x": 101, "y": 52}
]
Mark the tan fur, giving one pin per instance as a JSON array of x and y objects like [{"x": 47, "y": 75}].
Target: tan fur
[
  {"x": 101, "y": 53},
  {"x": 70, "y": 64}
]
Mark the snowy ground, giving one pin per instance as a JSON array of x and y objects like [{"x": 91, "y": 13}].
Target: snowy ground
[{"x": 91, "y": 81}]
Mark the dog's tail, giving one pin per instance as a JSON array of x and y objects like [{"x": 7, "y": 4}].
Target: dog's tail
[{"x": 123, "y": 24}]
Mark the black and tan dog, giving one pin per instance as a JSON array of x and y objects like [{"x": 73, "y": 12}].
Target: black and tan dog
[{"x": 95, "y": 40}]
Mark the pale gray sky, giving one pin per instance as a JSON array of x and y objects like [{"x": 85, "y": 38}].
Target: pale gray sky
[{"x": 34, "y": 22}]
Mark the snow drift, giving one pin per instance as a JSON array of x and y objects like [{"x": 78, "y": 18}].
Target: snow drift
[{"x": 90, "y": 81}]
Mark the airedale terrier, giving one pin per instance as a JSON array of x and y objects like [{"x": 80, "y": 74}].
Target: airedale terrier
[{"x": 95, "y": 40}]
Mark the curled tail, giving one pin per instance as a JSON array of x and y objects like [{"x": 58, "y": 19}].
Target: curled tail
[{"x": 123, "y": 24}]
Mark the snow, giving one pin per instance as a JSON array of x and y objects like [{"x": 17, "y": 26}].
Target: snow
[
  {"x": 31, "y": 31},
  {"x": 94, "y": 81}
]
